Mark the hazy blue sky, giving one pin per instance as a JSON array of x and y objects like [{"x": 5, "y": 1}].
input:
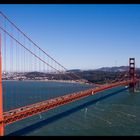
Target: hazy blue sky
[{"x": 81, "y": 36}]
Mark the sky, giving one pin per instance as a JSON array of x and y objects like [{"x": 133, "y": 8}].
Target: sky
[{"x": 81, "y": 36}]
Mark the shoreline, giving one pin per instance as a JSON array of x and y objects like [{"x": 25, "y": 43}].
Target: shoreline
[{"x": 62, "y": 81}]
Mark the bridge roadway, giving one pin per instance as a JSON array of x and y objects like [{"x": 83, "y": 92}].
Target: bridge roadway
[{"x": 30, "y": 110}]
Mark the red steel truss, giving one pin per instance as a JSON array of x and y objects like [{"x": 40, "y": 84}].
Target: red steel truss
[{"x": 30, "y": 110}]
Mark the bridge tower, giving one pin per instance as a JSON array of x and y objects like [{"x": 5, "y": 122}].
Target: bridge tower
[
  {"x": 132, "y": 74},
  {"x": 1, "y": 96}
]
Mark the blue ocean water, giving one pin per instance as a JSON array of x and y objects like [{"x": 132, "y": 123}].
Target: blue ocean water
[{"x": 112, "y": 112}]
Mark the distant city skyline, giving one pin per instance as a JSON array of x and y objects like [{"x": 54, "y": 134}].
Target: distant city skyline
[{"x": 81, "y": 36}]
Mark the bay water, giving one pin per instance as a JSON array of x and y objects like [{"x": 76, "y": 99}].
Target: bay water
[{"x": 111, "y": 112}]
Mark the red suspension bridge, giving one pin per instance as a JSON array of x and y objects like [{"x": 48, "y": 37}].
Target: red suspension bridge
[{"x": 19, "y": 54}]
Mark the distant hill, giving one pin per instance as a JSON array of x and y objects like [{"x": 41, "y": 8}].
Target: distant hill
[
  {"x": 35, "y": 74},
  {"x": 74, "y": 70},
  {"x": 100, "y": 75},
  {"x": 104, "y": 69},
  {"x": 114, "y": 69}
]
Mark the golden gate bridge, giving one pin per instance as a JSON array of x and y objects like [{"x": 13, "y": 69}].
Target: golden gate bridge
[{"x": 18, "y": 53}]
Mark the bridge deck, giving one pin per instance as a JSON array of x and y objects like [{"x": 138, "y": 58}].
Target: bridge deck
[{"x": 30, "y": 110}]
